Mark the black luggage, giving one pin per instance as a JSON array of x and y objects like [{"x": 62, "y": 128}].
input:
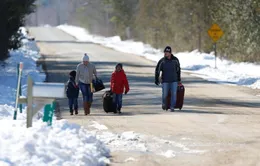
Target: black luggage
[
  {"x": 98, "y": 84},
  {"x": 108, "y": 104}
]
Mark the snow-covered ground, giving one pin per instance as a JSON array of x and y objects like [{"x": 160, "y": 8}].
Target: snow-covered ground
[
  {"x": 201, "y": 64},
  {"x": 63, "y": 144}
]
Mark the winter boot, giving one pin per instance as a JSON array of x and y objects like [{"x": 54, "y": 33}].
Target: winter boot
[
  {"x": 76, "y": 111},
  {"x": 164, "y": 107},
  {"x": 119, "y": 110},
  {"x": 71, "y": 111},
  {"x": 85, "y": 105},
  {"x": 89, "y": 106}
]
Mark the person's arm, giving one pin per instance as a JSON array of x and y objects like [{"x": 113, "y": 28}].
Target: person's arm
[
  {"x": 95, "y": 71},
  {"x": 112, "y": 82},
  {"x": 178, "y": 70},
  {"x": 77, "y": 75},
  {"x": 157, "y": 71},
  {"x": 126, "y": 84},
  {"x": 70, "y": 85}
]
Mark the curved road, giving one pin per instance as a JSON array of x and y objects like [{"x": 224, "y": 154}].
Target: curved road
[{"x": 219, "y": 124}]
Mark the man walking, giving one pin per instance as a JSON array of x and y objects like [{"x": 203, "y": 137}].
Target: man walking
[{"x": 169, "y": 68}]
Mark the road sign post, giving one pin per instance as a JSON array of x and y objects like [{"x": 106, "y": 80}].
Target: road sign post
[
  {"x": 215, "y": 51},
  {"x": 215, "y": 33}
]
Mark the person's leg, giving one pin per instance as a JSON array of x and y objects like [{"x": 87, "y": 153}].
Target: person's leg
[
  {"x": 89, "y": 98},
  {"x": 83, "y": 88},
  {"x": 119, "y": 100},
  {"x": 70, "y": 100},
  {"x": 165, "y": 92},
  {"x": 174, "y": 87},
  {"x": 76, "y": 105},
  {"x": 115, "y": 101}
]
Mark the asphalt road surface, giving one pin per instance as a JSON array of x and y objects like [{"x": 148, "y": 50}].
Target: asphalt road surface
[{"x": 219, "y": 124}]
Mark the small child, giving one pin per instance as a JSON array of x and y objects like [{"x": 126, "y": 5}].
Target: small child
[
  {"x": 72, "y": 93},
  {"x": 119, "y": 85}
]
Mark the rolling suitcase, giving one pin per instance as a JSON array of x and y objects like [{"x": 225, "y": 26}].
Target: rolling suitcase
[
  {"x": 179, "y": 96},
  {"x": 108, "y": 104}
]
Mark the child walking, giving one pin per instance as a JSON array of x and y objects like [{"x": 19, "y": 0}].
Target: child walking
[
  {"x": 72, "y": 93},
  {"x": 119, "y": 85}
]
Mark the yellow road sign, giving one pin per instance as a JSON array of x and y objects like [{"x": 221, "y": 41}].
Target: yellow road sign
[{"x": 215, "y": 32}]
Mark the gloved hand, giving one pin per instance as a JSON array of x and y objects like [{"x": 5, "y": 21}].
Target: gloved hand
[
  {"x": 126, "y": 92},
  {"x": 76, "y": 86}
]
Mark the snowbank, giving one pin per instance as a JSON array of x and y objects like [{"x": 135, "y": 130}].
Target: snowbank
[
  {"x": 63, "y": 144},
  {"x": 246, "y": 74}
]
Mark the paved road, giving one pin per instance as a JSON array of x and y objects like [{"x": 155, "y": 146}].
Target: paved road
[{"x": 219, "y": 124}]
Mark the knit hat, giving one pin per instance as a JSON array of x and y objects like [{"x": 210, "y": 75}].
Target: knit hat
[
  {"x": 86, "y": 57},
  {"x": 119, "y": 64},
  {"x": 168, "y": 49},
  {"x": 73, "y": 73}
]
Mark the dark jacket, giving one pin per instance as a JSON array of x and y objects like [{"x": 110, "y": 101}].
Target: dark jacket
[
  {"x": 170, "y": 68},
  {"x": 72, "y": 90}
]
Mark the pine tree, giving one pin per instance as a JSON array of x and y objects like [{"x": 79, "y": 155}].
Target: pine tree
[{"x": 13, "y": 14}]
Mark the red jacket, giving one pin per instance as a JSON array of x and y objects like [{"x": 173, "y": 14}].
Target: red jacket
[{"x": 119, "y": 82}]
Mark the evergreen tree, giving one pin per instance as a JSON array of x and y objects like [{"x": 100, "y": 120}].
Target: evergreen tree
[{"x": 13, "y": 14}]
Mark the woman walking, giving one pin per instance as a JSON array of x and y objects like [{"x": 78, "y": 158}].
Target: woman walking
[{"x": 86, "y": 72}]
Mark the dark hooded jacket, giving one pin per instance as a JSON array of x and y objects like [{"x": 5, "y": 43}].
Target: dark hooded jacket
[
  {"x": 72, "y": 89},
  {"x": 170, "y": 68}
]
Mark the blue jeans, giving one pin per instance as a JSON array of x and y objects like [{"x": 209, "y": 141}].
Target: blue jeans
[
  {"x": 86, "y": 92},
  {"x": 118, "y": 99},
  {"x": 172, "y": 87},
  {"x": 73, "y": 103}
]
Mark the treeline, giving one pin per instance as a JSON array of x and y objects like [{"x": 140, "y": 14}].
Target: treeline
[
  {"x": 181, "y": 24},
  {"x": 13, "y": 13}
]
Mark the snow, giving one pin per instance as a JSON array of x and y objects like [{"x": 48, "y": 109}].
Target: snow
[
  {"x": 99, "y": 126},
  {"x": 169, "y": 154},
  {"x": 130, "y": 141},
  {"x": 8, "y": 69},
  {"x": 130, "y": 159},
  {"x": 202, "y": 64},
  {"x": 62, "y": 144}
]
